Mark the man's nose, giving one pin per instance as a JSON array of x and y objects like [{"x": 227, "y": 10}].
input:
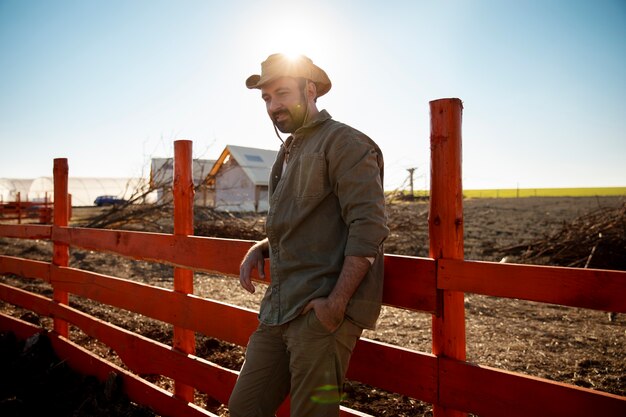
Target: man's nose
[{"x": 273, "y": 106}]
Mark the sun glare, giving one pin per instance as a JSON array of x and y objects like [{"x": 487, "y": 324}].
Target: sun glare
[
  {"x": 289, "y": 37},
  {"x": 292, "y": 55}
]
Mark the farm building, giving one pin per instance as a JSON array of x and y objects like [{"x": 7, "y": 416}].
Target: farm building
[
  {"x": 162, "y": 176},
  {"x": 240, "y": 179},
  {"x": 85, "y": 190},
  {"x": 10, "y": 187}
]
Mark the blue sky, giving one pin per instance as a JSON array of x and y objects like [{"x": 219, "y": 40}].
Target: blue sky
[{"x": 109, "y": 84}]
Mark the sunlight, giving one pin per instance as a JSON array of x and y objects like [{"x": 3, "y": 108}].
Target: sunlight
[
  {"x": 290, "y": 29},
  {"x": 291, "y": 55}
]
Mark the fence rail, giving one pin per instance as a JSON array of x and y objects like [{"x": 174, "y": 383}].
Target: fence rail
[
  {"x": 432, "y": 285},
  {"x": 23, "y": 210}
]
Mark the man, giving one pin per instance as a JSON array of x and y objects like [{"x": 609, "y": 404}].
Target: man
[{"x": 325, "y": 229}]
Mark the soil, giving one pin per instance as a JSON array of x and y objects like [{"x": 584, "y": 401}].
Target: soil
[{"x": 581, "y": 347}]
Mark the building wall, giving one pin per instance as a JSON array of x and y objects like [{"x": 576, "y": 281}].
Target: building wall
[{"x": 234, "y": 191}]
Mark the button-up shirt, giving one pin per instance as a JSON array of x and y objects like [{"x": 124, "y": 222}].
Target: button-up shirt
[{"x": 326, "y": 202}]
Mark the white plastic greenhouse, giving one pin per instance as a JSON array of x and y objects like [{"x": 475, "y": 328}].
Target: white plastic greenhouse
[
  {"x": 85, "y": 190},
  {"x": 9, "y": 187}
]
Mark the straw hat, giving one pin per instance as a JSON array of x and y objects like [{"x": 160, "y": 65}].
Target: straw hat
[{"x": 280, "y": 65}]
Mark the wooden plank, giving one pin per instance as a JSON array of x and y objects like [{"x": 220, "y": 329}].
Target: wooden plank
[
  {"x": 220, "y": 320},
  {"x": 60, "y": 250},
  {"x": 138, "y": 390},
  {"x": 183, "y": 191},
  {"x": 410, "y": 283},
  {"x": 395, "y": 369},
  {"x": 388, "y": 367},
  {"x": 24, "y": 231},
  {"x": 146, "y": 356},
  {"x": 445, "y": 228},
  {"x": 587, "y": 288},
  {"x": 492, "y": 392},
  {"x": 194, "y": 252},
  {"x": 139, "y": 353},
  {"x": 376, "y": 364},
  {"x": 86, "y": 363},
  {"x": 25, "y": 268},
  {"x": 22, "y": 329}
]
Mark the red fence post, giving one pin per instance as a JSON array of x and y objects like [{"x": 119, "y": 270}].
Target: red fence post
[
  {"x": 445, "y": 225},
  {"x": 18, "y": 207},
  {"x": 60, "y": 254},
  {"x": 183, "y": 191}
]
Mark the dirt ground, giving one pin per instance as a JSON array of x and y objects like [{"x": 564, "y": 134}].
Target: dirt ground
[{"x": 577, "y": 346}]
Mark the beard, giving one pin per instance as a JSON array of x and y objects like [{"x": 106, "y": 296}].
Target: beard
[{"x": 289, "y": 120}]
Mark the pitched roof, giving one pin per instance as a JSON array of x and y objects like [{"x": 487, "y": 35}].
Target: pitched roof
[{"x": 256, "y": 163}]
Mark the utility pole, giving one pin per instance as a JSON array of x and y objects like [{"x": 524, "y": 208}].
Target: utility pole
[{"x": 411, "y": 171}]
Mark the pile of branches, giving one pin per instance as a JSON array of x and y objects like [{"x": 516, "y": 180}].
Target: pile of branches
[
  {"x": 408, "y": 230},
  {"x": 247, "y": 226},
  {"x": 144, "y": 217},
  {"x": 594, "y": 240},
  {"x": 159, "y": 218}
]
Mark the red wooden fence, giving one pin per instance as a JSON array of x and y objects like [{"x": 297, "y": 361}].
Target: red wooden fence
[
  {"x": 434, "y": 285},
  {"x": 19, "y": 210}
]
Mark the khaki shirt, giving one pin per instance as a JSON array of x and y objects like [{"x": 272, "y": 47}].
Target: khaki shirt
[{"x": 328, "y": 204}]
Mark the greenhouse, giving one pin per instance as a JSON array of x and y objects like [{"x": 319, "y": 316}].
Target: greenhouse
[
  {"x": 10, "y": 187},
  {"x": 84, "y": 191}
]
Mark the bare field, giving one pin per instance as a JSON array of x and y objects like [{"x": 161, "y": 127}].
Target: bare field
[{"x": 576, "y": 346}]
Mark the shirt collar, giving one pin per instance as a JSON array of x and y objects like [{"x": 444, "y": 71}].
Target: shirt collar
[{"x": 320, "y": 118}]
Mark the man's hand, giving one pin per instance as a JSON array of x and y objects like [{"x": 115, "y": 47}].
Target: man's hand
[
  {"x": 328, "y": 313},
  {"x": 331, "y": 310},
  {"x": 255, "y": 258}
]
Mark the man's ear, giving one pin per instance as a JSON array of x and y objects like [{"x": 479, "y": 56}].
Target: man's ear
[{"x": 311, "y": 90}]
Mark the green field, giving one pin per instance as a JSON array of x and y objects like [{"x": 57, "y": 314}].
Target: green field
[
  {"x": 546, "y": 192},
  {"x": 537, "y": 192}
]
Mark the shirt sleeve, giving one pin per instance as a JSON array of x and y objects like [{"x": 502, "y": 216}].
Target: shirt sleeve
[{"x": 357, "y": 171}]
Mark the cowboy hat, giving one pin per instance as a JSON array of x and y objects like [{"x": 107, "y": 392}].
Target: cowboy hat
[{"x": 281, "y": 65}]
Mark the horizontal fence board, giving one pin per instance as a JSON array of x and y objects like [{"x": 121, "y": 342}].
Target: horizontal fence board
[
  {"x": 86, "y": 363},
  {"x": 22, "y": 329},
  {"x": 376, "y": 363},
  {"x": 387, "y": 367},
  {"x": 142, "y": 355},
  {"x": 490, "y": 392},
  {"x": 25, "y": 268},
  {"x": 410, "y": 283},
  {"x": 26, "y": 231},
  {"x": 212, "y": 318},
  {"x": 193, "y": 252},
  {"x": 137, "y": 389},
  {"x": 395, "y": 369},
  {"x": 575, "y": 287}
]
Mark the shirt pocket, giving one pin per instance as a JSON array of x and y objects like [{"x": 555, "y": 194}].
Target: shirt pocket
[{"x": 311, "y": 175}]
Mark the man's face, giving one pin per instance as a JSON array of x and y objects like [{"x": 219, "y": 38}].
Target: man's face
[{"x": 285, "y": 104}]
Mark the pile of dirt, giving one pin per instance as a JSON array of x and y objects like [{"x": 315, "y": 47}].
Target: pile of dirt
[{"x": 36, "y": 383}]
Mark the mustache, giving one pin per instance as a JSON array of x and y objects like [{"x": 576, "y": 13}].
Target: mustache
[{"x": 277, "y": 113}]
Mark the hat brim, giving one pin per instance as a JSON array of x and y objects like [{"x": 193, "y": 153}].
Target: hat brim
[{"x": 254, "y": 81}]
